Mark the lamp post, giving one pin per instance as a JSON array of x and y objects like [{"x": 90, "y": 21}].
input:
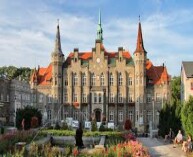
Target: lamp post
[
  {"x": 153, "y": 111},
  {"x": 15, "y": 110}
]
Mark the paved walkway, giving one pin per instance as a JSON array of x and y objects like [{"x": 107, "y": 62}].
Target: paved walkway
[{"x": 158, "y": 148}]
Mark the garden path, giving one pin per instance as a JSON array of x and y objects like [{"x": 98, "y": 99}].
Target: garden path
[{"x": 158, "y": 148}]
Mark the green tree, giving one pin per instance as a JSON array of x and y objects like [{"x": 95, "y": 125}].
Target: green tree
[
  {"x": 187, "y": 116},
  {"x": 27, "y": 113},
  {"x": 170, "y": 115}
]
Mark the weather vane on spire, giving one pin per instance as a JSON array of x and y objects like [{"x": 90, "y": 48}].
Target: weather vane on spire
[{"x": 139, "y": 18}]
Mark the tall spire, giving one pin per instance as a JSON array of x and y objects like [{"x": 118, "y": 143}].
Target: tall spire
[
  {"x": 139, "y": 46},
  {"x": 57, "y": 40},
  {"x": 99, "y": 28}
]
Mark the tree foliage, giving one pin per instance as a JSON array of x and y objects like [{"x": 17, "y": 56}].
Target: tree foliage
[
  {"x": 187, "y": 116},
  {"x": 13, "y": 72},
  {"x": 128, "y": 124},
  {"x": 27, "y": 113},
  {"x": 170, "y": 115}
]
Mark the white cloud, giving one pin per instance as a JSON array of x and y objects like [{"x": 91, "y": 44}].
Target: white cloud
[{"x": 29, "y": 40}]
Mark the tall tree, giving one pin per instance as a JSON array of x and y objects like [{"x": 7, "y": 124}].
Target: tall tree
[
  {"x": 170, "y": 115},
  {"x": 187, "y": 116}
]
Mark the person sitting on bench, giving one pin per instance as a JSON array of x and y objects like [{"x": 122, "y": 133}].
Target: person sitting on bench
[
  {"x": 169, "y": 136},
  {"x": 178, "y": 139},
  {"x": 187, "y": 145}
]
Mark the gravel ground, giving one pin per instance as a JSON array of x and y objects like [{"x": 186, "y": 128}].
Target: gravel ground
[{"x": 158, "y": 148}]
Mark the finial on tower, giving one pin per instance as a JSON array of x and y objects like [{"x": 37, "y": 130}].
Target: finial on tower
[
  {"x": 99, "y": 28},
  {"x": 139, "y": 19},
  {"x": 58, "y": 21}
]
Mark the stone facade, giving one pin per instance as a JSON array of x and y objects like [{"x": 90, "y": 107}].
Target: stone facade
[
  {"x": 110, "y": 86},
  {"x": 20, "y": 96},
  {"x": 4, "y": 100},
  {"x": 186, "y": 80}
]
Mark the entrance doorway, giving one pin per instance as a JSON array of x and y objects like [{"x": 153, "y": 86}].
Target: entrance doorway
[{"x": 98, "y": 115}]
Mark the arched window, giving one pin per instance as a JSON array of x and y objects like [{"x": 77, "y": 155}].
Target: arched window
[
  {"x": 95, "y": 97},
  {"x": 102, "y": 80},
  {"x": 111, "y": 79},
  {"x": 120, "y": 78},
  {"x": 75, "y": 79},
  {"x": 93, "y": 79},
  {"x": 84, "y": 79},
  {"x": 100, "y": 98}
]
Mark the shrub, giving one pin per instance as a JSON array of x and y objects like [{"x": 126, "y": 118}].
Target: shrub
[
  {"x": 34, "y": 122},
  {"x": 128, "y": 124},
  {"x": 93, "y": 125},
  {"x": 102, "y": 128},
  {"x": 57, "y": 126}
]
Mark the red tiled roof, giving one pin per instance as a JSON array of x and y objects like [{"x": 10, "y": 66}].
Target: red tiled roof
[
  {"x": 43, "y": 75},
  {"x": 156, "y": 74}
]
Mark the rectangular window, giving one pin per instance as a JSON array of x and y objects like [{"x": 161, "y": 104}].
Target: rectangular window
[
  {"x": 120, "y": 98},
  {"x": 100, "y": 98},
  {"x": 84, "y": 100},
  {"x": 120, "y": 79},
  {"x": 85, "y": 115},
  {"x": 41, "y": 98},
  {"x": 137, "y": 116},
  {"x": 49, "y": 99},
  {"x": 84, "y": 79},
  {"x": 149, "y": 116},
  {"x": 148, "y": 98},
  {"x": 95, "y": 97},
  {"x": 102, "y": 80},
  {"x": 75, "y": 116},
  {"x": 130, "y": 81},
  {"x": 65, "y": 97},
  {"x": 130, "y": 98},
  {"x": 93, "y": 78},
  {"x": 131, "y": 115},
  {"x": 75, "y": 80},
  {"x": 75, "y": 99},
  {"x": 66, "y": 82},
  {"x": 49, "y": 114},
  {"x": 120, "y": 116},
  {"x": 111, "y": 80},
  {"x": 66, "y": 114},
  {"x": 111, "y": 98},
  {"x": 158, "y": 97},
  {"x": 111, "y": 115}
]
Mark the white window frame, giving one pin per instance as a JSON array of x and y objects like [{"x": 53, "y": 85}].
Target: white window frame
[
  {"x": 102, "y": 80},
  {"x": 120, "y": 115},
  {"x": 84, "y": 79},
  {"x": 111, "y": 79},
  {"x": 112, "y": 98},
  {"x": 75, "y": 115},
  {"x": 149, "y": 98},
  {"x": 95, "y": 98},
  {"x": 130, "y": 82},
  {"x": 130, "y": 97},
  {"x": 84, "y": 98},
  {"x": 93, "y": 79},
  {"x": 75, "y": 97},
  {"x": 130, "y": 114},
  {"x": 158, "y": 97},
  {"x": 100, "y": 99},
  {"x": 120, "y": 79},
  {"x": 75, "y": 79},
  {"x": 111, "y": 115},
  {"x": 120, "y": 98},
  {"x": 66, "y": 97}
]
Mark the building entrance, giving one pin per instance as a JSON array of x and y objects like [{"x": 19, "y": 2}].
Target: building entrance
[{"x": 98, "y": 115}]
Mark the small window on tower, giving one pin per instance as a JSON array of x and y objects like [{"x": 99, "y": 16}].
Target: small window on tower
[
  {"x": 75, "y": 59},
  {"x": 120, "y": 59}
]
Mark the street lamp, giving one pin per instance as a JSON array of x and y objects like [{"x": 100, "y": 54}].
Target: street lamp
[
  {"x": 153, "y": 111},
  {"x": 15, "y": 110}
]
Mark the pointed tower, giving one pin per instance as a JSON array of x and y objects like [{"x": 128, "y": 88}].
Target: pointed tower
[
  {"x": 99, "y": 29},
  {"x": 140, "y": 80},
  {"x": 57, "y": 58}
]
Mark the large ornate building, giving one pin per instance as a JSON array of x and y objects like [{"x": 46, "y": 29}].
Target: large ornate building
[{"x": 111, "y": 86}]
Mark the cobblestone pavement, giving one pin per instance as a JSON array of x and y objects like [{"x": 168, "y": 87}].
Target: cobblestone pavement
[{"x": 158, "y": 148}]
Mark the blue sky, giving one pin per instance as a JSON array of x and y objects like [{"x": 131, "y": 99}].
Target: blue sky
[{"x": 27, "y": 29}]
